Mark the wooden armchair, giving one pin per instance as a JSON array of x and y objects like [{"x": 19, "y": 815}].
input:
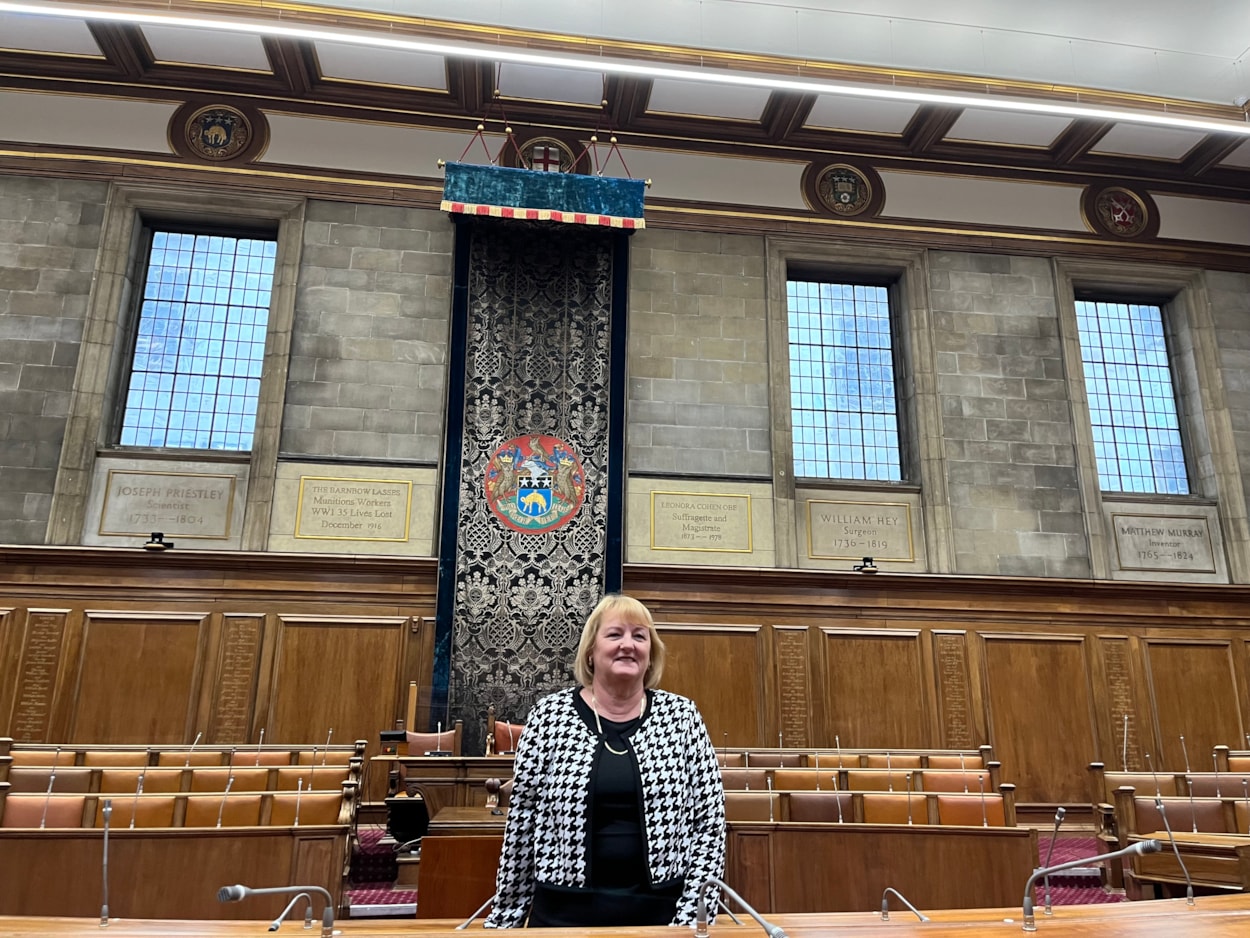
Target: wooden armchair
[{"x": 1102, "y": 789}]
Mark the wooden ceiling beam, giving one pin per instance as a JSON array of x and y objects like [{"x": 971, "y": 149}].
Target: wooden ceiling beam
[
  {"x": 293, "y": 64},
  {"x": 627, "y": 99},
  {"x": 1210, "y": 152},
  {"x": 785, "y": 113},
  {"x": 928, "y": 126},
  {"x": 471, "y": 83},
  {"x": 1076, "y": 140},
  {"x": 124, "y": 47}
]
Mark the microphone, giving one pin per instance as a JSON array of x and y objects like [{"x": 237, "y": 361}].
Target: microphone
[
  {"x": 1059, "y": 813},
  {"x": 769, "y": 780},
  {"x": 298, "y": 794},
  {"x": 818, "y": 771},
  {"x": 963, "y": 772},
  {"x": 43, "y": 818},
  {"x": 908, "y": 777},
  {"x": 104, "y": 867},
  {"x": 1124, "y": 747},
  {"x": 259, "y": 743},
  {"x": 1193, "y": 814},
  {"x": 889, "y": 771},
  {"x": 277, "y": 922},
  {"x": 837, "y": 797},
  {"x": 224, "y": 795},
  {"x": 237, "y": 893},
  {"x": 134, "y": 805},
  {"x": 700, "y": 926},
  {"x": 985, "y": 821},
  {"x": 326, "y": 752},
  {"x": 837, "y": 744},
  {"x": 190, "y": 751},
  {"x": 1189, "y": 883},
  {"x": 1216, "y": 762},
  {"x": 1142, "y": 846},
  {"x": 480, "y": 909},
  {"x": 885, "y": 904},
  {"x": 1185, "y": 753}
]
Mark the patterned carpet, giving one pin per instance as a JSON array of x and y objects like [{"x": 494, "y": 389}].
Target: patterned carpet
[{"x": 378, "y": 897}]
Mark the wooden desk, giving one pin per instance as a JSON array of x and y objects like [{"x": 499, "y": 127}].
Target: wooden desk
[
  {"x": 1214, "y": 861},
  {"x": 462, "y": 821},
  {"x": 798, "y": 867},
  {"x": 451, "y": 781},
  {"x": 1214, "y": 917}
]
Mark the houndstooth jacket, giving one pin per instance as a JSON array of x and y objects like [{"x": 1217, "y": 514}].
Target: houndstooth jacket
[{"x": 548, "y": 829}]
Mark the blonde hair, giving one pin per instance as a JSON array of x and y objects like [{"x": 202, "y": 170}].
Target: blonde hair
[{"x": 631, "y": 612}]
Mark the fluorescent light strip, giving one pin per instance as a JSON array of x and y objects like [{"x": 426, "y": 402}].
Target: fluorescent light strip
[{"x": 612, "y": 66}]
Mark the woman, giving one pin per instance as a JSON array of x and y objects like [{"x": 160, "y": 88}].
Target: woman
[{"x": 617, "y": 813}]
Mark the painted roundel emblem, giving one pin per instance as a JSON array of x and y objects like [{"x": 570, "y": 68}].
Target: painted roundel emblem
[
  {"x": 218, "y": 133},
  {"x": 535, "y": 483}
]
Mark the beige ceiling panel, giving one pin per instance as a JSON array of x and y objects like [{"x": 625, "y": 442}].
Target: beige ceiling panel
[
  {"x": 726, "y": 101},
  {"x": 1203, "y": 220},
  {"x": 831, "y": 112},
  {"x": 183, "y": 46},
  {"x": 717, "y": 179},
  {"x": 107, "y": 123},
  {"x": 28, "y": 33},
  {"x": 1239, "y": 157},
  {"x": 563, "y": 85},
  {"x": 392, "y": 67},
  {"x": 1163, "y": 143},
  {"x": 1036, "y": 130},
  {"x": 982, "y": 201}
]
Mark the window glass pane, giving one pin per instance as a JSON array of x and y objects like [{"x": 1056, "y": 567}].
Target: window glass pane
[
  {"x": 1132, "y": 401},
  {"x": 842, "y": 382},
  {"x": 200, "y": 342}
]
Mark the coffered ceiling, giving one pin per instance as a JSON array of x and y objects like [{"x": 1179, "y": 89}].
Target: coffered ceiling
[{"x": 668, "y": 67}]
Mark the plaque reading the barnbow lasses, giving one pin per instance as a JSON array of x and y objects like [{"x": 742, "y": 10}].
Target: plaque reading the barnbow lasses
[
  {"x": 1170, "y": 543},
  {"x": 700, "y": 521},
  {"x": 353, "y": 509},
  {"x": 850, "y": 530},
  {"x": 178, "y": 504}
]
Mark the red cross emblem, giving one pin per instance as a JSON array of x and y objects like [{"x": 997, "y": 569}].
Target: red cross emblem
[{"x": 545, "y": 159}]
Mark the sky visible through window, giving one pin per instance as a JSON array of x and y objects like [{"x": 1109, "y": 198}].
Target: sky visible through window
[
  {"x": 1132, "y": 403},
  {"x": 195, "y": 378},
  {"x": 842, "y": 392}
]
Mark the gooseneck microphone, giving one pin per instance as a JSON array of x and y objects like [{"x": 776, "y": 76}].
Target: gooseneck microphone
[
  {"x": 885, "y": 904},
  {"x": 700, "y": 925},
  {"x": 107, "y": 811},
  {"x": 277, "y": 922},
  {"x": 1059, "y": 815},
  {"x": 480, "y": 909},
  {"x": 1189, "y": 883},
  {"x": 237, "y": 893},
  {"x": 1142, "y": 846}
]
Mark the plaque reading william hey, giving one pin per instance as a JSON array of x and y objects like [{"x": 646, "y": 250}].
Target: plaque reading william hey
[{"x": 851, "y": 530}]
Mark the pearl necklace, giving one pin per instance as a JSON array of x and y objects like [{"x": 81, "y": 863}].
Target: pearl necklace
[{"x": 594, "y": 706}]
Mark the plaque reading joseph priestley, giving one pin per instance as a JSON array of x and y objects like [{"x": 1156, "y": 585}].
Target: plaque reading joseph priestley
[
  {"x": 696, "y": 521},
  {"x": 851, "y": 530},
  {"x": 353, "y": 509},
  {"x": 1168, "y": 543},
  {"x": 185, "y": 505}
]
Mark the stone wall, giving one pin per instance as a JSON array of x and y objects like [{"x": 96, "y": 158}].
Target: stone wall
[
  {"x": 49, "y": 235},
  {"x": 698, "y": 355},
  {"x": 369, "y": 348}
]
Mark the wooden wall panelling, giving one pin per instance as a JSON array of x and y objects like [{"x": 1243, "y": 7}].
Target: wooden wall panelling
[
  {"x": 1040, "y": 706},
  {"x": 961, "y": 723},
  {"x": 1193, "y": 693},
  {"x": 229, "y": 695},
  {"x": 418, "y": 666},
  {"x": 9, "y": 653},
  {"x": 792, "y": 653},
  {"x": 727, "y": 671},
  {"x": 749, "y": 867},
  {"x": 37, "y": 673},
  {"x": 138, "y": 676},
  {"x": 875, "y": 688},
  {"x": 334, "y": 673},
  {"x": 1124, "y": 726}
]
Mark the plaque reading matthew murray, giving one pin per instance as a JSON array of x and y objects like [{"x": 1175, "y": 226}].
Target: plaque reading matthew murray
[
  {"x": 1170, "y": 543},
  {"x": 178, "y": 504},
  {"x": 850, "y": 530},
  {"x": 353, "y": 509},
  {"x": 699, "y": 521}
]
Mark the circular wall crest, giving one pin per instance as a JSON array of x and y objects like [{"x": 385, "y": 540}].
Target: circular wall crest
[
  {"x": 1120, "y": 212},
  {"x": 547, "y": 154},
  {"x": 843, "y": 190},
  {"x": 534, "y": 483},
  {"x": 218, "y": 133}
]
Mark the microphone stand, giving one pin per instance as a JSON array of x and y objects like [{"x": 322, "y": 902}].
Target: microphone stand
[
  {"x": 1189, "y": 883},
  {"x": 277, "y": 922},
  {"x": 236, "y": 893},
  {"x": 1142, "y": 846},
  {"x": 700, "y": 926},
  {"x": 1059, "y": 814},
  {"x": 885, "y": 904},
  {"x": 480, "y": 909},
  {"x": 107, "y": 810}
]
